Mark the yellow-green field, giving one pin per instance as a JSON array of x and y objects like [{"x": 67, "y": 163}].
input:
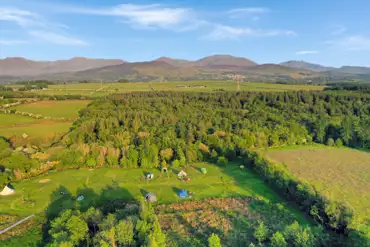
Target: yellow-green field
[
  {"x": 342, "y": 174},
  {"x": 97, "y": 89},
  {"x": 54, "y": 109}
]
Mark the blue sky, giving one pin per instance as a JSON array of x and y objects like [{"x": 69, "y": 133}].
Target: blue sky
[{"x": 329, "y": 32}]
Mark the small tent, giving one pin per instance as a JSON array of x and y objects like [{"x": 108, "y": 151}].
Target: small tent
[
  {"x": 149, "y": 176},
  {"x": 182, "y": 174},
  {"x": 183, "y": 194},
  {"x": 80, "y": 198},
  {"x": 8, "y": 190},
  {"x": 203, "y": 170},
  {"x": 150, "y": 197}
]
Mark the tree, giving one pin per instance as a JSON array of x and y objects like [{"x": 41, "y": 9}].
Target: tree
[
  {"x": 125, "y": 232},
  {"x": 278, "y": 240},
  {"x": 261, "y": 232},
  {"x": 214, "y": 241}
]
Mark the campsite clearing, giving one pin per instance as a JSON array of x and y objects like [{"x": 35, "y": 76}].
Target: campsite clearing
[{"x": 108, "y": 183}]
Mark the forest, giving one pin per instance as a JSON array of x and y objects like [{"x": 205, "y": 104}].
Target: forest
[{"x": 170, "y": 129}]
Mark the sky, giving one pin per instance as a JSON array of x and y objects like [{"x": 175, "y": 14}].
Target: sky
[{"x": 328, "y": 32}]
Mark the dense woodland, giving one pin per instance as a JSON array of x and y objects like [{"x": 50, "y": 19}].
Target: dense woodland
[{"x": 160, "y": 129}]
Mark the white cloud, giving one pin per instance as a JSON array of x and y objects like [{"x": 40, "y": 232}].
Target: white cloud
[
  {"x": 351, "y": 43},
  {"x": 306, "y": 52},
  {"x": 154, "y": 15},
  {"x": 36, "y": 25},
  {"x": 242, "y": 12},
  {"x": 12, "y": 42},
  {"x": 223, "y": 32},
  {"x": 256, "y": 10},
  {"x": 22, "y": 18},
  {"x": 56, "y": 38},
  {"x": 337, "y": 30}
]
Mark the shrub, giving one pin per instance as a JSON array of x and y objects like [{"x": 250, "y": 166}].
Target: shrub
[
  {"x": 338, "y": 143},
  {"x": 222, "y": 160},
  {"x": 330, "y": 142}
]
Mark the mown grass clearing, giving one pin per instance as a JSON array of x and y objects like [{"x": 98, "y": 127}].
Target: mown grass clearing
[
  {"x": 31, "y": 196},
  {"x": 342, "y": 174},
  {"x": 54, "y": 109}
]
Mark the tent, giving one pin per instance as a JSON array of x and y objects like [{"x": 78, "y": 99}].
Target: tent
[
  {"x": 203, "y": 170},
  {"x": 182, "y": 174},
  {"x": 149, "y": 176},
  {"x": 8, "y": 190},
  {"x": 183, "y": 194},
  {"x": 150, "y": 197}
]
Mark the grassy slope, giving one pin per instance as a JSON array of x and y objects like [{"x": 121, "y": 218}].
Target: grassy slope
[
  {"x": 55, "y": 109},
  {"x": 340, "y": 173},
  {"x": 219, "y": 182}
]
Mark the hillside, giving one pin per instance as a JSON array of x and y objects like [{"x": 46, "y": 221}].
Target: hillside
[
  {"x": 306, "y": 65},
  {"x": 17, "y": 66},
  {"x": 216, "y": 67}
]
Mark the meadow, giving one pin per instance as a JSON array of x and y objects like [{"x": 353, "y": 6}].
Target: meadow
[
  {"x": 341, "y": 174},
  {"x": 37, "y": 194},
  {"x": 54, "y": 108}
]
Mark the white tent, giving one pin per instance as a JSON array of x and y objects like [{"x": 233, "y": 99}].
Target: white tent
[
  {"x": 7, "y": 191},
  {"x": 182, "y": 174}
]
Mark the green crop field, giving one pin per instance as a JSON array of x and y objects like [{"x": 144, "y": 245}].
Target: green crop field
[
  {"x": 342, "y": 174},
  {"x": 53, "y": 108},
  {"x": 35, "y": 195}
]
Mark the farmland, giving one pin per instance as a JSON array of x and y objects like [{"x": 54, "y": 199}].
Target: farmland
[
  {"x": 53, "y": 108},
  {"x": 98, "y": 89},
  {"x": 341, "y": 174}
]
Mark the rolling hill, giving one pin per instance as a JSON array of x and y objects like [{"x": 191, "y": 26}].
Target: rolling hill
[
  {"x": 216, "y": 67},
  {"x": 306, "y": 65},
  {"x": 17, "y": 66}
]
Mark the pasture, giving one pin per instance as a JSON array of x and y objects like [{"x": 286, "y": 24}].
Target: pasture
[
  {"x": 37, "y": 194},
  {"x": 54, "y": 108},
  {"x": 37, "y": 130},
  {"x": 342, "y": 174},
  {"x": 98, "y": 89}
]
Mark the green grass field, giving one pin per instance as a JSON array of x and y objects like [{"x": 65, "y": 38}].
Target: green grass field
[
  {"x": 97, "y": 89},
  {"x": 16, "y": 125},
  {"x": 8, "y": 120},
  {"x": 35, "y": 195},
  {"x": 342, "y": 174},
  {"x": 53, "y": 108}
]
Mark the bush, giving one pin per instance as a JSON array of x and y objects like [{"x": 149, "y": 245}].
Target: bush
[
  {"x": 330, "y": 142},
  {"x": 214, "y": 241},
  {"x": 338, "y": 143},
  {"x": 222, "y": 160}
]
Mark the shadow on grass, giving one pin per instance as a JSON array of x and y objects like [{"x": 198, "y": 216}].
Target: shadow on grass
[{"x": 109, "y": 200}]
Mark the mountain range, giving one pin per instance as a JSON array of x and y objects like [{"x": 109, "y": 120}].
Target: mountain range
[{"x": 165, "y": 68}]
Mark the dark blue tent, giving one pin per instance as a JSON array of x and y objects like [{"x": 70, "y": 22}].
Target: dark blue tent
[{"x": 183, "y": 194}]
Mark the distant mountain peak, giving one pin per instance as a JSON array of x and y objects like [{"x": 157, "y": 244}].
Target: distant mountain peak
[{"x": 306, "y": 65}]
